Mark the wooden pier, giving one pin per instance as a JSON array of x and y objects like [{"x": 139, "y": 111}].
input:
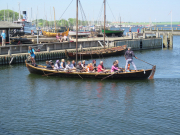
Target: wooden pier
[
  {"x": 56, "y": 50},
  {"x": 166, "y": 32}
]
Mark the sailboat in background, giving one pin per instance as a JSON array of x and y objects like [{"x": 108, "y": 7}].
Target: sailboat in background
[{"x": 111, "y": 33}]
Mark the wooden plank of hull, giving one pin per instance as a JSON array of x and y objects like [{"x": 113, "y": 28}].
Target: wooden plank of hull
[{"x": 126, "y": 76}]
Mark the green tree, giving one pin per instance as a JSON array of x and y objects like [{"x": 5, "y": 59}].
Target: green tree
[{"x": 9, "y": 14}]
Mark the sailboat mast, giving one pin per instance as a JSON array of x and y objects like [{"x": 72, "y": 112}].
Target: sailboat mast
[
  {"x": 104, "y": 20},
  {"x": 76, "y": 29},
  {"x": 120, "y": 22},
  {"x": 54, "y": 19}
]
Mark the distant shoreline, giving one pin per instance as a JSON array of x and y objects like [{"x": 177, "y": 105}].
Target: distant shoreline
[{"x": 147, "y": 23}]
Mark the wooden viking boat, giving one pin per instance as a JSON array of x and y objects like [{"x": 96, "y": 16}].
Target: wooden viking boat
[
  {"x": 50, "y": 34},
  {"x": 140, "y": 74},
  {"x": 119, "y": 50}
]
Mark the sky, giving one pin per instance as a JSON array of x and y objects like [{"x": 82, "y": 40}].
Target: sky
[{"x": 129, "y": 10}]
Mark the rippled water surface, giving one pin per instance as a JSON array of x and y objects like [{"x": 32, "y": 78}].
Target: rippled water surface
[{"x": 32, "y": 104}]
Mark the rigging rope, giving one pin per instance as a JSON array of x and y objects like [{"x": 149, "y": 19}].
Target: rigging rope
[
  {"x": 100, "y": 13},
  {"x": 66, "y": 9},
  {"x": 111, "y": 11},
  {"x": 82, "y": 12}
]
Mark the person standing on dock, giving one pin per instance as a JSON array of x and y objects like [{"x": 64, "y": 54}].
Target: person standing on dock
[
  {"x": 129, "y": 54},
  {"x": 3, "y": 35},
  {"x": 32, "y": 54},
  {"x": 138, "y": 30}
]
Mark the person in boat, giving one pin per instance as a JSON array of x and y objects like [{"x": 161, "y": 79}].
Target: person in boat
[
  {"x": 130, "y": 29},
  {"x": 114, "y": 68},
  {"x": 51, "y": 63},
  {"x": 68, "y": 65},
  {"x": 129, "y": 54},
  {"x": 79, "y": 67},
  {"x": 83, "y": 64},
  {"x": 117, "y": 65},
  {"x": 101, "y": 68},
  {"x": 57, "y": 65},
  {"x": 31, "y": 52},
  {"x": 89, "y": 68},
  {"x": 49, "y": 66},
  {"x": 94, "y": 65},
  {"x": 73, "y": 65},
  {"x": 62, "y": 65}
]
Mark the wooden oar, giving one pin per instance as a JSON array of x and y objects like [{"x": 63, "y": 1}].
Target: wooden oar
[
  {"x": 145, "y": 62},
  {"x": 109, "y": 75},
  {"x": 49, "y": 74}
]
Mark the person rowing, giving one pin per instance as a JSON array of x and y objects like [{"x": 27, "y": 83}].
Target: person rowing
[
  {"x": 73, "y": 65},
  {"x": 62, "y": 65},
  {"x": 101, "y": 68},
  {"x": 68, "y": 66},
  {"x": 49, "y": 66},
  {"x": 57, "y": 65},
  {"x": 117, "y": 65},
  {"x": 129, "y": 54},
  {"x": 79, "y": 67},
  {"x": 114, "y": 67},
  {"x": 94, "y": 65}
]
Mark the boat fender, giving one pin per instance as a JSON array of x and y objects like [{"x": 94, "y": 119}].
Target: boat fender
[{"x": 144, "y": 71}]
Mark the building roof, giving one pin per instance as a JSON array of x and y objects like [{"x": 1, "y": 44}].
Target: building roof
[{"x": 7, "y": 25}]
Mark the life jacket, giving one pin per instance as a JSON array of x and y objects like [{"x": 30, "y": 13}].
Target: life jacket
[
  {"x": 90, "y": 68},
  {"x": 128, "y": 66}
]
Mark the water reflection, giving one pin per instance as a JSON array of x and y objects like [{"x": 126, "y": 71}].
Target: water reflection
[
  {"x": 128, "y": 99},
  {"x": 99, "y": 89}
]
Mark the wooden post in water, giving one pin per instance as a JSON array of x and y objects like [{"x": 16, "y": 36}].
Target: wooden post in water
[
  {"x": 171, "y": 40},
  {"x": 104, "y": 20},
  {"x": 76, "y": 30},
  {"x": 165, "y": 40}
]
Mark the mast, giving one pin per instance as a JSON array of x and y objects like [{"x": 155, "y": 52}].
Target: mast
[
  {"x": 76, "y": 29},
  {"x": 171, "y": 19},
  {"x": 4, "y": 15},
  {"x": 54, "y": 19},
  {"x": 31, "y": 14},
  {"x": 19, "y": 12},
  {"x": 104, "y": 20},
  {"x": 120, "y": 22}
]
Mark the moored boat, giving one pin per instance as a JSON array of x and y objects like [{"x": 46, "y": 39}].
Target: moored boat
[
  {"x": 118, "y": 33},
  {"x": 51, "y": 34},
  {"x": 140, "y": 74},
  {"x": 80, "y": 33},
  {"x": 119, "y": 50}
]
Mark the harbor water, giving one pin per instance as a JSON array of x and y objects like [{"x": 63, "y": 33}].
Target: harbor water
[{"x": 32, "y": 104}]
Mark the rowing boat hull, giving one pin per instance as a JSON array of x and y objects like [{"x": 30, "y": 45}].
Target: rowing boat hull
[
  {"x": 97, "y": 54},
  {"x": 141, "y": 74}
]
